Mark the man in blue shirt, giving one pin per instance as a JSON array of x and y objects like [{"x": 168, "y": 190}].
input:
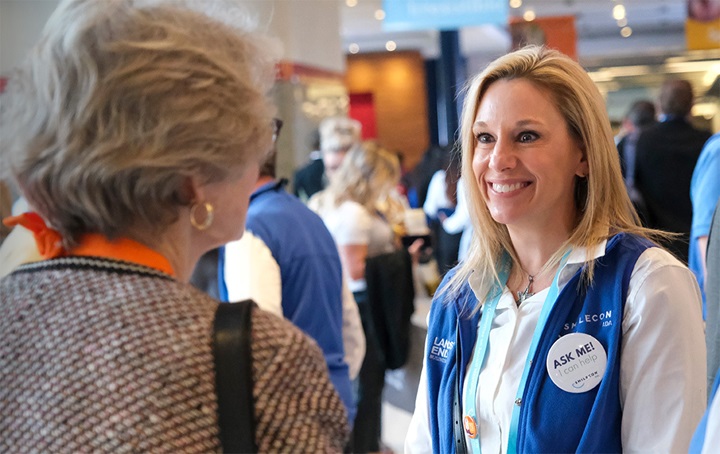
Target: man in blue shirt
[
  {"x": 287, "y": 262},
  {"x": 704, "y": 193}
]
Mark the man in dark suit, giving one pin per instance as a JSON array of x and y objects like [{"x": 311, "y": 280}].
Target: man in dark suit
[{"x": 665, "y": 159}]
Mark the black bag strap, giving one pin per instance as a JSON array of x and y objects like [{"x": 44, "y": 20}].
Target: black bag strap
[
  {"x": 458, "y": 428},
  {"x": 233, "y": 376}
]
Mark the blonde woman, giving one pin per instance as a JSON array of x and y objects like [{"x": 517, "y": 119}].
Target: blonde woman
[
  {"x": 136, "y": 131},
  {"x": 350, "y": 209},
  {"x": 566, "y": 329}
]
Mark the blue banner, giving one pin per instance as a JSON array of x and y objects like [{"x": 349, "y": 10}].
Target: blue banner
[{"x": 442, "y": 14}]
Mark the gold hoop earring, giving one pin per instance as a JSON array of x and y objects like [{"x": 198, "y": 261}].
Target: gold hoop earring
[{"x": 209, "y": 216}]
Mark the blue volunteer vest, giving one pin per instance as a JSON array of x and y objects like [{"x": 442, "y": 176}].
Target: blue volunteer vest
[{"x": 551, "y": 420}]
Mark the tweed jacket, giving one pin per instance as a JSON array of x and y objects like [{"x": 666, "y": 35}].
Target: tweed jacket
[{"x": 104, "y": 355}]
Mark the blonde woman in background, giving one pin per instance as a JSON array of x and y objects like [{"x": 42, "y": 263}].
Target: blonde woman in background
[{"x": 350, "y": 208}]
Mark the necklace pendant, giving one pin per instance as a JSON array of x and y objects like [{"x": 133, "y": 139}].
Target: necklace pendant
[
  {"x": 522, "y": 296},
  {"x": 525, "y": 294}
]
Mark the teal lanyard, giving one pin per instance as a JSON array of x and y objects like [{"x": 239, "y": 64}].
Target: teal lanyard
[{"x": 483, "y": 337}]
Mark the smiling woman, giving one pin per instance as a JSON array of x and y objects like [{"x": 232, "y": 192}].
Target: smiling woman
[
  {"x": 524, "y": 164},
  {"x": 556, "y": 242}
]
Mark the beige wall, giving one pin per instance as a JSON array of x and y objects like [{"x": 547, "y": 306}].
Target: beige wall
[
  {"x": 21, "y": 22},
  {"x": 309, "y": 29},
  {"x": 309, "y": 32},
  {"x": 397, "y": 82}
]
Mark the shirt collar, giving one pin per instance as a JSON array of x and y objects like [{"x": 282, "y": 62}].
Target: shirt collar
[
  {"x": 270, "y": 186},
  {"x": 124, "y": 249},
  {"x": 577, "y": 258},
  {"x": 579, "y": 255}
]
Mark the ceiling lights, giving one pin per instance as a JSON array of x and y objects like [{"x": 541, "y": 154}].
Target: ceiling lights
[{"x": 618, "y": 12}]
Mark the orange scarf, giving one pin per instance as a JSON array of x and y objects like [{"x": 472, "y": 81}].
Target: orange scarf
[{"x": 49, "y": 244}]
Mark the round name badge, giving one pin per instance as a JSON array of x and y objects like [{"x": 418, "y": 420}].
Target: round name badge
[{"x": 576, "y": 362}]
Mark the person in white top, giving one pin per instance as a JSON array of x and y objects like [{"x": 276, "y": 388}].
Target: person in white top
[
  {"x": 566, "y": 329},
  {"x": 349, "y": 206},
  {"x": 459, "y": 222}
]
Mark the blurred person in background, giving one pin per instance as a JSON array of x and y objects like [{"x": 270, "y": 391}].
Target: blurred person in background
[
  {"x": 418, "y": 179},
  {"x": 349, "y": 206},
  {"x": 707, "y": 436},
  {"x": 559, "y": 265},
  {"x": 287, "y": 262},
  {"x": 666, "y": 154},
  {"x": 459, "y": 223},
  {"x": 640, "y": 116},
  {"x": 441, "y": 201},
  {"x": 136, "y": 131},
  {"x": 337, "y": 136},
  {"x": 705, "y": 194}
]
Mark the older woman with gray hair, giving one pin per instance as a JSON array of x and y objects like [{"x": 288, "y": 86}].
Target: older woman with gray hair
[{"x": 136, "y": 131}]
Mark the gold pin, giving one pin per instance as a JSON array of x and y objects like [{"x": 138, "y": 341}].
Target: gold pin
[{"x": 470, "y": 426}]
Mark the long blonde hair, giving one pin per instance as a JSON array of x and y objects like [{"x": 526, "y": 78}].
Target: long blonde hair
[
  {"x": 365, "y": 176},
  {"x": 601, "y": 199}
]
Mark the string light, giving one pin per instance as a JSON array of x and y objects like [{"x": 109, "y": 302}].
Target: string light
[
  {"x": 529, "y": 15},
  {"x": 390, "y": 46},
  {"x": 515, "y": 3},
  {"x": 351, "y": 3},
  {"x": 625, "y": 32},
  {"x": 379, "y": 14},
  {"x": 354, "y": 48}
]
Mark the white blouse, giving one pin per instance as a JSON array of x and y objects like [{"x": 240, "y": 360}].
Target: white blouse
[{"x": 352, "y": 224}]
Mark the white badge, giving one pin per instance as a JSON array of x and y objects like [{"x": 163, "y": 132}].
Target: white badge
[{"x": 576, "y": 362}]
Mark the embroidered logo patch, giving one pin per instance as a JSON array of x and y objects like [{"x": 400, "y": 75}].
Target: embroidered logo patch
[
  {"x": 605, "y": 318},
  {"x": 441, "y": 349}
]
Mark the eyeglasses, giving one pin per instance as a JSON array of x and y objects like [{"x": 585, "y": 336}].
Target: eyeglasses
[{"x": 277, "y": 126}]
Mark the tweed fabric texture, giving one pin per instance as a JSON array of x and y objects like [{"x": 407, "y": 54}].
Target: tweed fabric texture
[{"x": 102, "y": 355}]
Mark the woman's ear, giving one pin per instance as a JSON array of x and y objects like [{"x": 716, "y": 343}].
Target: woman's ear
[
  {"x": 583, "y": 169},
  {"x": 191, "y": 190}
]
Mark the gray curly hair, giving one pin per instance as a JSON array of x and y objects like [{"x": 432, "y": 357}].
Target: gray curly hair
[{"x": 121, "y": 101}]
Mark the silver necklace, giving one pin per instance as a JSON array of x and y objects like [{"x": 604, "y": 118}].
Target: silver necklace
[{"x": 527, "y": 293}]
